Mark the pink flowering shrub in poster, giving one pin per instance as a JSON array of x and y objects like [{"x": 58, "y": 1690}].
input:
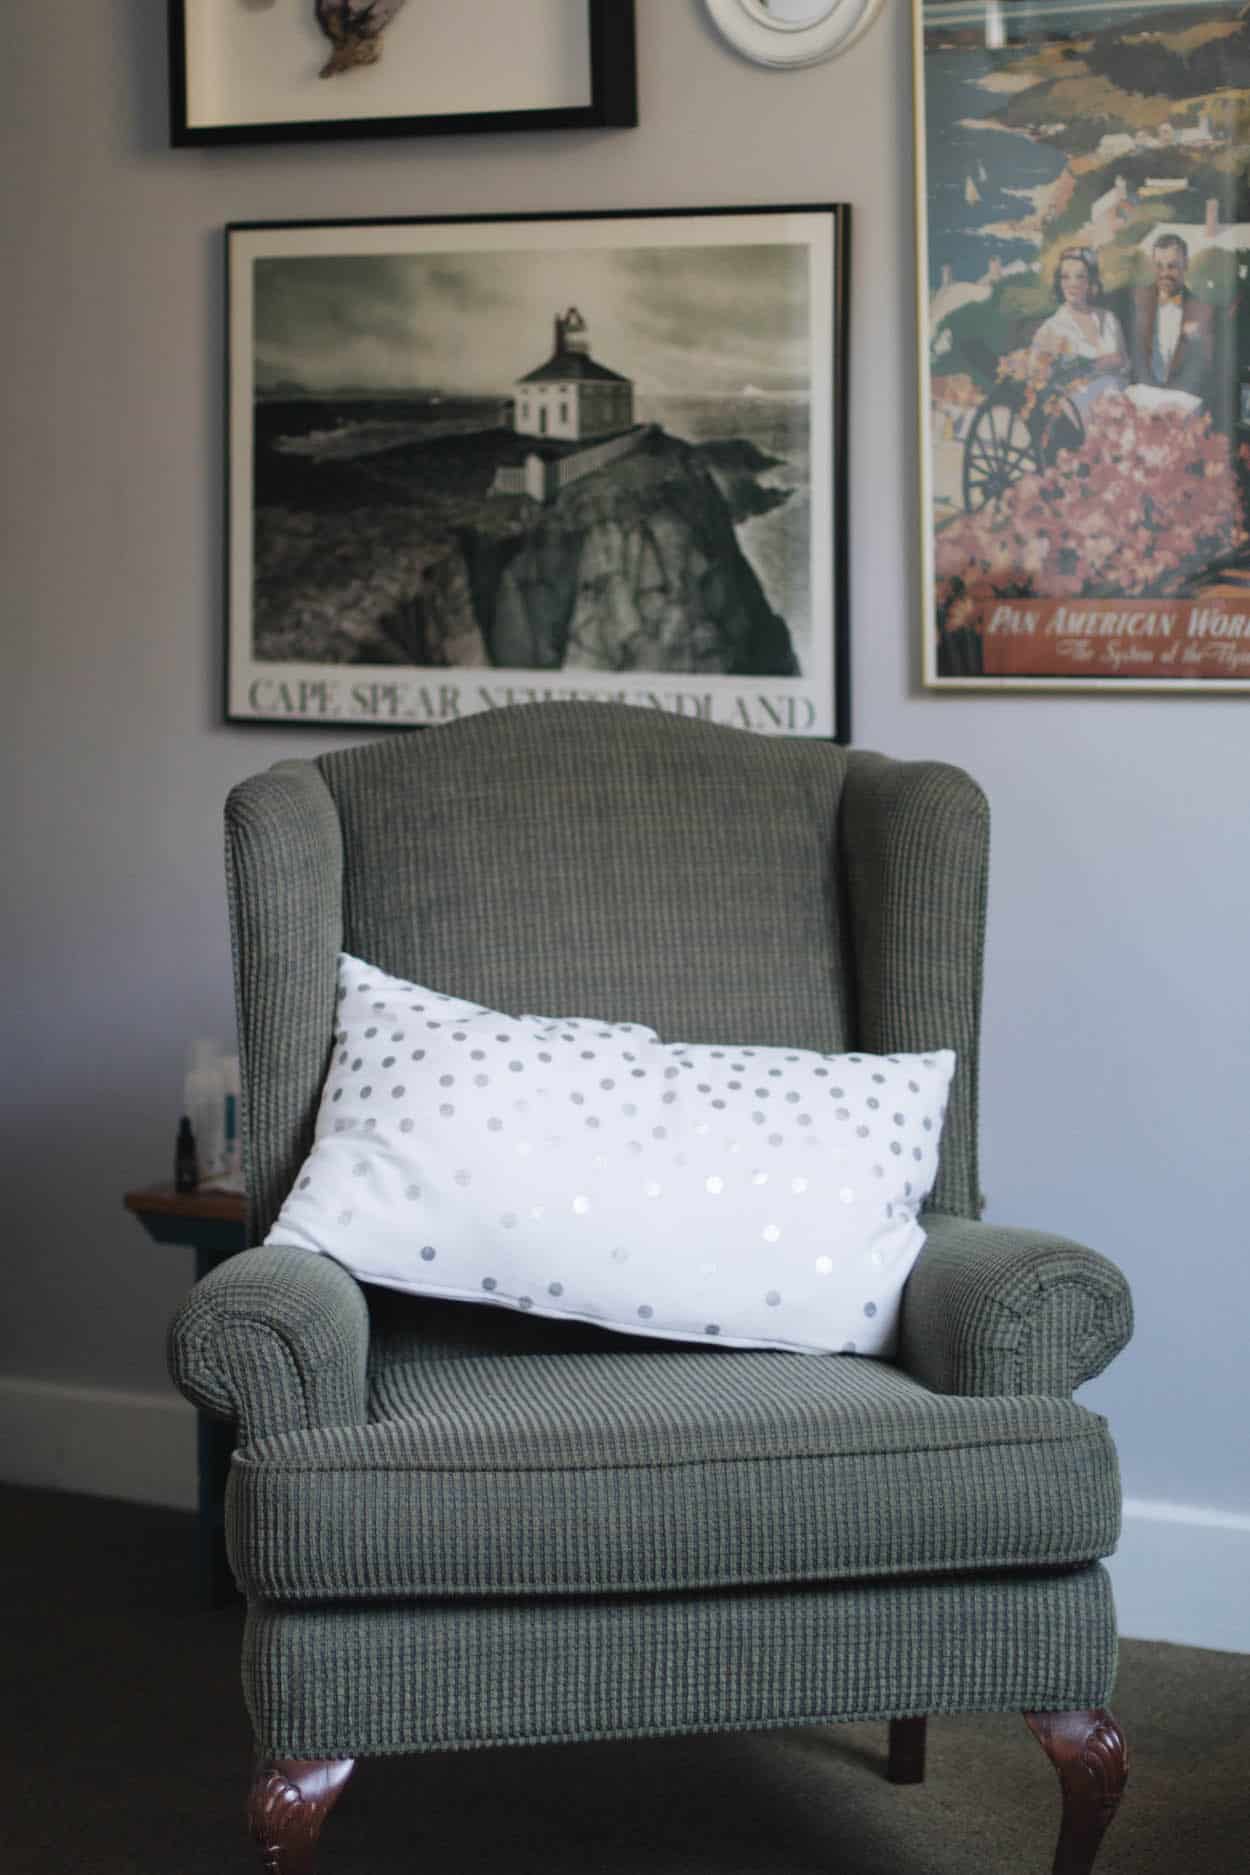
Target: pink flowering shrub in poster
[{"x": 1146, "y": 505}]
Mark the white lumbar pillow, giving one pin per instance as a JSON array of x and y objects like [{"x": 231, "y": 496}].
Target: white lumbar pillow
[{"x": 758, "y": 1197}]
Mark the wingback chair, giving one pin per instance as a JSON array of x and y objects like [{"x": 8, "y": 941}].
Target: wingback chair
[{"x": 774, "y": 1539}]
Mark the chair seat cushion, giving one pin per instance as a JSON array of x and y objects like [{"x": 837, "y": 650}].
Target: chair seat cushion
[{"x": 583, "y": 1472}]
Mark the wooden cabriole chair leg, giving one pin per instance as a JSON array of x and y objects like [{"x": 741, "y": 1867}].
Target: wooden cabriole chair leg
[
  {"x": 290, "y": 1800},
  {"x": 907, "y": 1738},
  {"x": 1089, "y": 1752}
]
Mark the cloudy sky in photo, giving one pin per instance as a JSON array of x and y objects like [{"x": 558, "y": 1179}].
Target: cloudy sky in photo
[{"x": 674, "y": 319}]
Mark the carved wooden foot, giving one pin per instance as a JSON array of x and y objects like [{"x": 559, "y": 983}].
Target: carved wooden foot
[
  {"x": 1088, "y": 1751},
  {"x": 290, "y": 1800},
  {"x": 906, "y": 1765}
]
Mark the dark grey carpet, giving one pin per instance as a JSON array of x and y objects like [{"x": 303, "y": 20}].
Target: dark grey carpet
[{"x": 125, "y": 1752}]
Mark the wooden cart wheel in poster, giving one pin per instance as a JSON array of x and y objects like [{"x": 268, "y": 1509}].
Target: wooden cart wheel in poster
[
  {"x": 1004, "y": 444},
  {"x": 1000, "y": 449}
]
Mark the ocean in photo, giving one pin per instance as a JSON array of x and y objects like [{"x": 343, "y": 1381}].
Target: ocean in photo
[{"x": 778, "y": 545}]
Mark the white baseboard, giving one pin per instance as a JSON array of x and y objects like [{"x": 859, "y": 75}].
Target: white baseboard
[
  {"x": 1180, "y": 1573},
  {"x": 98, "y": 1441}
]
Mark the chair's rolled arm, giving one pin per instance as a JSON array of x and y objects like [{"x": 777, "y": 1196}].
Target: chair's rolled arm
[
  {"x": 275, "y": 1339},
  {"x": 993, "y": 1309}
]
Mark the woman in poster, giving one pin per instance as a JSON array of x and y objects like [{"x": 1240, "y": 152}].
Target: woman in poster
[{"x": 1083, "y": 335}]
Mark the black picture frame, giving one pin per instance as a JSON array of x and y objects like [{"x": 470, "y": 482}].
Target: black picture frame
[
  {"x": 613, "y": 97},
  {"x": 356, "y": 636}
]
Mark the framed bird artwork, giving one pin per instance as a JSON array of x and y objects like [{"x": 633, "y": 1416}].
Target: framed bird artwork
[
  {"x": 354, "y": 29},
  {"x": 282, "y": 71}
]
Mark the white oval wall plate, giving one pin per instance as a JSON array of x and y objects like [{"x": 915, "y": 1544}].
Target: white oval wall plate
[{"x": 782, "y": 33}]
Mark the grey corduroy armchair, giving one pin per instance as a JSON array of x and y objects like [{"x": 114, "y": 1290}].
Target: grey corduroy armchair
[{"x": 416, "y": 1485}]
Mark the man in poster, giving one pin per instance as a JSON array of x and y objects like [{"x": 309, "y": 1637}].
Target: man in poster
[{"x": 1173, "y": 335}]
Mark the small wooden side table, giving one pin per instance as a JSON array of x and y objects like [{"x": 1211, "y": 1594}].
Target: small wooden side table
[{"x": 213, "y": 1224}]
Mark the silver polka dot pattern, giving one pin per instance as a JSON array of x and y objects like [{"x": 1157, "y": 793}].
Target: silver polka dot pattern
[{"x": 651, "y": 1170}]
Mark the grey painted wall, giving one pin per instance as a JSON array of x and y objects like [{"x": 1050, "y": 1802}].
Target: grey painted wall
[{"x": 1117, "y": 1006}]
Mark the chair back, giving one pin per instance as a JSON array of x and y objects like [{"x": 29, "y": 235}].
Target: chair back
[{"x": 565, "y": 859}]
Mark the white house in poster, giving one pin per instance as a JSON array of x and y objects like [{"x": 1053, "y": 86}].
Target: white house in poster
[{"x": 572, "y": 396}]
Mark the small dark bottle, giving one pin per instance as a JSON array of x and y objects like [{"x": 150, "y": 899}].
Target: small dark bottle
[{"x": 186, "y": 1165}]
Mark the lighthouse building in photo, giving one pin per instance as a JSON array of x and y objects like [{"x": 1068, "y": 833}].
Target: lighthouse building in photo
[{"x": 572, "y": 396}]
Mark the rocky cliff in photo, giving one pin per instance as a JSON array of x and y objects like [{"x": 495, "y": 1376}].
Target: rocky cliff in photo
[{"x": 404, "y": 556}]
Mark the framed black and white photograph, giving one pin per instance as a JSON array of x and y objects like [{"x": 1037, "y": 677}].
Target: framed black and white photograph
[
  {"x": 479, "y": 461},
  {"x": 271, "y": 71}
]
